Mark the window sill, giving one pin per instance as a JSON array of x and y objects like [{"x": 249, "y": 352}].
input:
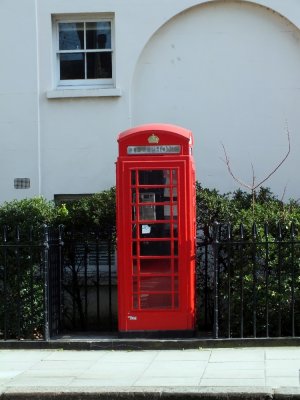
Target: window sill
[{"x": 63, "y": 93}]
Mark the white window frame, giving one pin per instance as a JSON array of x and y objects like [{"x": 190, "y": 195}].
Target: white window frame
[{"x": 81, "y": 83}]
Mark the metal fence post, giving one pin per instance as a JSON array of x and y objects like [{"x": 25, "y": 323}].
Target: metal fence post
[
  {"x": 279, "y": 271},
  {"x": 46, "y": 282},
  {"x": 61, "y": 277},
  {"x": 241, "y": 257},
  {"x": 5, "y": 278},
  {"x": 216, "y": 279},
  {"x": 292, "y": 235},
  {"x": 267, "y": 272},
  {"x": 254, "y": 276}
]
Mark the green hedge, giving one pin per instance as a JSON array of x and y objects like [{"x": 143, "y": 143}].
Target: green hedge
[
  {"x": 92, "y": 212},
  {"x": 237, "y": 208},
  {"x": 98, "y": 210}
]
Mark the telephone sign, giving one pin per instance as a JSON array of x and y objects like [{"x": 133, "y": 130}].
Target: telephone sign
[
  {"x": 156, "y": 229},
  {"x": 169, "y": 149}
]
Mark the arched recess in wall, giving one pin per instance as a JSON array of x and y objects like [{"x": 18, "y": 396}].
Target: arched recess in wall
[{"x": 230, "y": 71}]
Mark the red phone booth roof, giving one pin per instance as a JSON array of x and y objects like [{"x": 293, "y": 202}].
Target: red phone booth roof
[{"x": 156, "y": 135}]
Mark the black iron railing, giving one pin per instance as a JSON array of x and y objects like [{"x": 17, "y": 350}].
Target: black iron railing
[
  {"x": 52, "y": 281},
  {"x": 89, "y": 282},
  {"x": 250, "y": 281},
  {"x": 247, "y": 282},
  {"x": 22, "y": 285}
]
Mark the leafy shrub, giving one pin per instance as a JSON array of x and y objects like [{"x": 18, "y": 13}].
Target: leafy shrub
[
  {"x": 96, "y": 212},
  {"x": 22, "y": 270},
  {"x": 21, "y": 262},
  {"x": 261, "y": 269},
  {"x": 237, "y": 208}
]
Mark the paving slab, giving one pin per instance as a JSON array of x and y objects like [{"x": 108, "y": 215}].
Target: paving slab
[{"x": 215, "y": 373}]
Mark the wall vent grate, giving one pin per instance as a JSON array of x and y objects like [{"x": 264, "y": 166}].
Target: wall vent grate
[{"x": 22, "y": 183}]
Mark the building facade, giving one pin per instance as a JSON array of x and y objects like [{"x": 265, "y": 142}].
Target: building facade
[{"x": 76, "y": 73}]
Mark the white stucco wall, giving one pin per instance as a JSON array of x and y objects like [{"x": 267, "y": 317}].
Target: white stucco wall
[
  {"x": 237, "y": 86},
  {"x": 229, "y": 70},
  {"x": 19, "y": 133}
]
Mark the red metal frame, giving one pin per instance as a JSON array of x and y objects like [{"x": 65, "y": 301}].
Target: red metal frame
[{"x": 156, "y": 229}]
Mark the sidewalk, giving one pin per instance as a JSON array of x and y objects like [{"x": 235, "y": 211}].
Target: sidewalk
[{"x": 248, "y": 373}]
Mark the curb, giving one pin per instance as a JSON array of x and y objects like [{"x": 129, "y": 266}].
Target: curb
[
  {"x": 144, "y": 344},
  {"x": 209, "y": 393}
]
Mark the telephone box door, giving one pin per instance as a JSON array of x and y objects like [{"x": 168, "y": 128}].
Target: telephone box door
[{"x": 155, "y": 283}]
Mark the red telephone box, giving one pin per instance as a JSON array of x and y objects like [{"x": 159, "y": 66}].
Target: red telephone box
[{"x": 156, "y": 229}]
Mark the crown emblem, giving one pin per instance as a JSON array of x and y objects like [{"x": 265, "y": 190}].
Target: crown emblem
[{"x": 153, "y": 139}]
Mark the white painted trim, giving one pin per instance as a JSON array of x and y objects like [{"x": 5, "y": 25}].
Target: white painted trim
[
  {"x": 39, "y": 146},
  {"x": 83, "y": 92}
]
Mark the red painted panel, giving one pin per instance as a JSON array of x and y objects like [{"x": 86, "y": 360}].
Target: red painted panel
[{"x": 156, "y": 229}]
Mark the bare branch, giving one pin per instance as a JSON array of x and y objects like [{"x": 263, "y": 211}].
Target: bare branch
[
  {"x": 253, "y": 176},
  {"x": 283, "y": 194},
  {"x": 227, "y": 162},
  {"x": 254, "y": 186},
  {"x": 281, "y": 162}
]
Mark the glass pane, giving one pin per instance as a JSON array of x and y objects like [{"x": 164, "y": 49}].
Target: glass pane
[
  {"x": 155, "y": 230},
  {"x": 134, "y": 266},
  {"x": 99, "y": 65},
  {"x": 98, "y": 35},
  {"x": 71, "y": 36},
  {"x": 153, "y": 213},
  {"x": 155, "y": 266},
  {"x": 133, "y": 177},
  {"x": 175, "y": 283},
  {"x": 175, "y": 230},
  {"x": 134, "y": 233},
  {"x": 151, "y": 195},
  {"x": 176, "y": 266},
  {"x": 170, "y": 212},
  {"x": 155, "y": 248},
  {"x": 134, "y": 248},
  {"x": 147, "y": 196},
  {"x": 167, "y": 174},
  {"x": 170, "y": 192},
  {"x": 134, "y": 284},
  {"x": 72, "y": 66},
  {"x": 151, "y": 177},
  {"x": 135, "y": 301},
  {"x": 175, "y": 248},
  {"x": 156, "y": 284},
  {"x": 133, "y": 213},
  {"x": 156, "y": 300},
  {"x": 149, "y": 213},
  {"x": 176, "y": 300}
]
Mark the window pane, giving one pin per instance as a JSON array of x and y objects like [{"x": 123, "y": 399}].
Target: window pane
[
  {"x": 149, "y": 212},
  {"x": 135, "y": 301},
  {"x": 152, "y": 300},
  {"x": 155, "y": 284},
  {"x": 152, "y": 195},
  {"x": 134, "y": 284},
  {"x": 155, "y": 266},
  {"x": 134, "y": 248},
  {"x": 99, "y": 65},
  {"x": 98, "y": 35},
  {"x": 71, "y": 36},
  {"x": 72, "y": 66},
  {"x": 155, "y": 230},
  {"x": 134, "y": 266},
  {"x": 133, "y": 177},
  {"x": 151, "y": 177},
  {"x": 175, "y": 266},
  {"x": 159, "y": 248}
]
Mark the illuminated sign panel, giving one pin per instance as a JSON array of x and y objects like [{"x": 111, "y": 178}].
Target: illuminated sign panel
[{"x": 163, "y": 149}]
